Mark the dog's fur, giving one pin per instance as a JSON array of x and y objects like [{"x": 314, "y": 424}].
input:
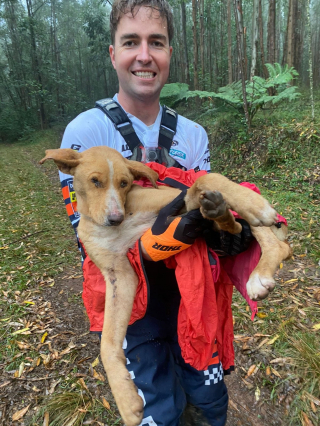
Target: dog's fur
[{"x": 115, "y": 213}]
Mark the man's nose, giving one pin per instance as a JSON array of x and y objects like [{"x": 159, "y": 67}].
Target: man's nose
[{"x": 144, "y": 53}]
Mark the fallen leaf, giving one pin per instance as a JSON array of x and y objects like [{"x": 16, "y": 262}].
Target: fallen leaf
[
  {"x": 257, "y": 394},
  {"x": 21, "y": 368},
  {"x": 271, "y": 341},
  {"x": 305, "y": 420},
  {"x": 46, "y": 419},
  {"x": 105, "y": 403},
  {"x": 82, "y": 384},
  {"x": 275, "y": 372},
  {"x": 268, "y": 371},
  {"x": 251, "y": 370},
  {"x": 262, "y": 314},
  {"x": 316, "y": 327},
  {"x": 19, "y": 414},
  {"x": 291, "y": 281},
  {"x": 312, "y": 398},
  {"x": 44, "y": 336},
  {"x": 23, "y": 345},
  {"x": 281, "y": 361},
  {"x": 22, "y": 331},
  {"x": 98, "y": 376},
  {"x": 264, "y": 341},
  {"x": 95, "y": 362}
]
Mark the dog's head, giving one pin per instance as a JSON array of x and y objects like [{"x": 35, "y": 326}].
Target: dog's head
[{"x": 102, "y": 179}]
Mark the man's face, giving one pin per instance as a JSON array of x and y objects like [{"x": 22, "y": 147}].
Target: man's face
[{"x": 141, "y": 54}]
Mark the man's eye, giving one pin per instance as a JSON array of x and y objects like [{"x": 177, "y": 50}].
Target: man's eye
[
  {"x": 157, "y": 44},
  {"x": 96, "y": 182},
  {"x": 123, "y": 184},
  {"x": 129, "y": 43}
]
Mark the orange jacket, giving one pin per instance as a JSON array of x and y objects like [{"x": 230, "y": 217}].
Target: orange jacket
[{"x": 205, "y": 314}]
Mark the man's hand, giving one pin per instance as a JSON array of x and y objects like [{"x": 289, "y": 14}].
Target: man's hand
[{"x": 169, "y": 235}]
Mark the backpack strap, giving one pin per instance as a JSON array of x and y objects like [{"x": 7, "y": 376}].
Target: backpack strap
[
  {"x": 121, "y": 121},
  {"x": 123, "y": 124},
  {"x": 168, "y": 127}
]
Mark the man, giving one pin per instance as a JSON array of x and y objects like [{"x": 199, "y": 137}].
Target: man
[{"x": 141, "y": 31}]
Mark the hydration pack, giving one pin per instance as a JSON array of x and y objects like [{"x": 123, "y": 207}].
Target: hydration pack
[{"x": 123, "y": 124}]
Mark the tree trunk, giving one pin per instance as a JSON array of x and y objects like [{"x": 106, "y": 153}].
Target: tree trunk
[
  {"x": 184, "y": 41},
  {"x": 290, "y": 34},
  {"x": 229, "y": 44},
  {"x": 264, "y": 69},
  {"x": 201, "y": 10},
  {"x": 195, "y": 45},
  {"x": 35, "y": 61},
  {"x": 310, "y": 62},
  {"x": 271, "y": 42},
  {"x": 255, "y": 17},
  {"x": 241, "y": 56}
]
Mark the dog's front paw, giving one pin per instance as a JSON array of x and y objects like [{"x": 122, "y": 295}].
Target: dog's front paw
[
  {"x": 212, "y": 204},
  {"x": 129, "y": 403},
  {"x": 258, "y": 287},
  {"x": 131, "y": 409}
]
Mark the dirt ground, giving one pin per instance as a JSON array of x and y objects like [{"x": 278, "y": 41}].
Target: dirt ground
[{"x": 59, "y": 311}]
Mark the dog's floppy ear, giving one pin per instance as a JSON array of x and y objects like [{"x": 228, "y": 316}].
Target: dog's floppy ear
[
  {"x": 140, "y": 170},
  {"x": 65, "y": 159}
]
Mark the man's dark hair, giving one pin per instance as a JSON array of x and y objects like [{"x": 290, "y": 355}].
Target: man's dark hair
[{"x": 121, "y": 7}]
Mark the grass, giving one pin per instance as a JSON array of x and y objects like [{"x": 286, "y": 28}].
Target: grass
[{"x": 281, "y": 156}]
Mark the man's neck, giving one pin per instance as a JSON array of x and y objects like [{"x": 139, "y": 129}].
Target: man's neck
[{"x": 146, "y": 111}]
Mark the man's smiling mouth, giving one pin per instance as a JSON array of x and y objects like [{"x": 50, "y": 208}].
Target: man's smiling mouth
[{"x": 144, "y": 74}]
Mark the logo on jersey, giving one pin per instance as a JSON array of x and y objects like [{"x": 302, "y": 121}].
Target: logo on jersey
[
  {"x": 175, "y": 143},
  {"x": 75, "y": 147},
  {"x": 197, "y": 169},
  {"x": 176, "y": 153}
]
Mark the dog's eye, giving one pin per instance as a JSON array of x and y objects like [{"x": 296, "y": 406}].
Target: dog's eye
[
  {"x": 97, "y": 184},
  {"x": 123, "y": 183}
]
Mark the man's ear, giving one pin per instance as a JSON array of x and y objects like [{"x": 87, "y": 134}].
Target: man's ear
[
  {"x": 140, "y": 170},
  {"x": 65, "y": 159},
  {"x": 111, "y": 52}
]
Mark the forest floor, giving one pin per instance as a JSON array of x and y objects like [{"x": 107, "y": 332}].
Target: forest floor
[{"x": 51, "y": 373}]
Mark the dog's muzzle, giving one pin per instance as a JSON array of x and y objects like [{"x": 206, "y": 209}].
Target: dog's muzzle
[{"x": 114, "y": 220}]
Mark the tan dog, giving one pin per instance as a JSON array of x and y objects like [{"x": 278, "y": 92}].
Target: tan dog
[{"x": 115, "y": 213}]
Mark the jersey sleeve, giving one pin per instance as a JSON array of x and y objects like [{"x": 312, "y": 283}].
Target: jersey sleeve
[
  {"x": 201, "y": 159},
  {"x": 85, "y": 131}
]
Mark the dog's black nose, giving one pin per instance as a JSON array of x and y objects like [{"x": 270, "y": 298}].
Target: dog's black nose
[{"x": 115, "y": 220}]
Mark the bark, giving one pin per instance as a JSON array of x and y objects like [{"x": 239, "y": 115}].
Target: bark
[
  {"x": 195, "y": 45},
  {"x": 184, "y": 41},
  {"x": 241, "y": 56},
  {"x": 264, "y": 69},
  {"x": 35, "y": 62},
  {"x": 201, "y": 10},
  {"x": 310, "y": 62},
  {"x": 229, "y": 44},
  {"x": 271, "y": 42},
  {"x": 255, "y": 25}
]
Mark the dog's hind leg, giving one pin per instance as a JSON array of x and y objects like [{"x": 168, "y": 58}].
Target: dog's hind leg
[
  {"x": 274, "y": 251},
  {"x": 121, "y": 284}
]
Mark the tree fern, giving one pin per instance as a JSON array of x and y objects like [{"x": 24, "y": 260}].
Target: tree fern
[{"x": 260, "y": 92}]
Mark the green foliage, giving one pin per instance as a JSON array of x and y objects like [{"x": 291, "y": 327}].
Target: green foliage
[
  {"x": 261, "y": 93},
  {"x": 172, "y": 94}
]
